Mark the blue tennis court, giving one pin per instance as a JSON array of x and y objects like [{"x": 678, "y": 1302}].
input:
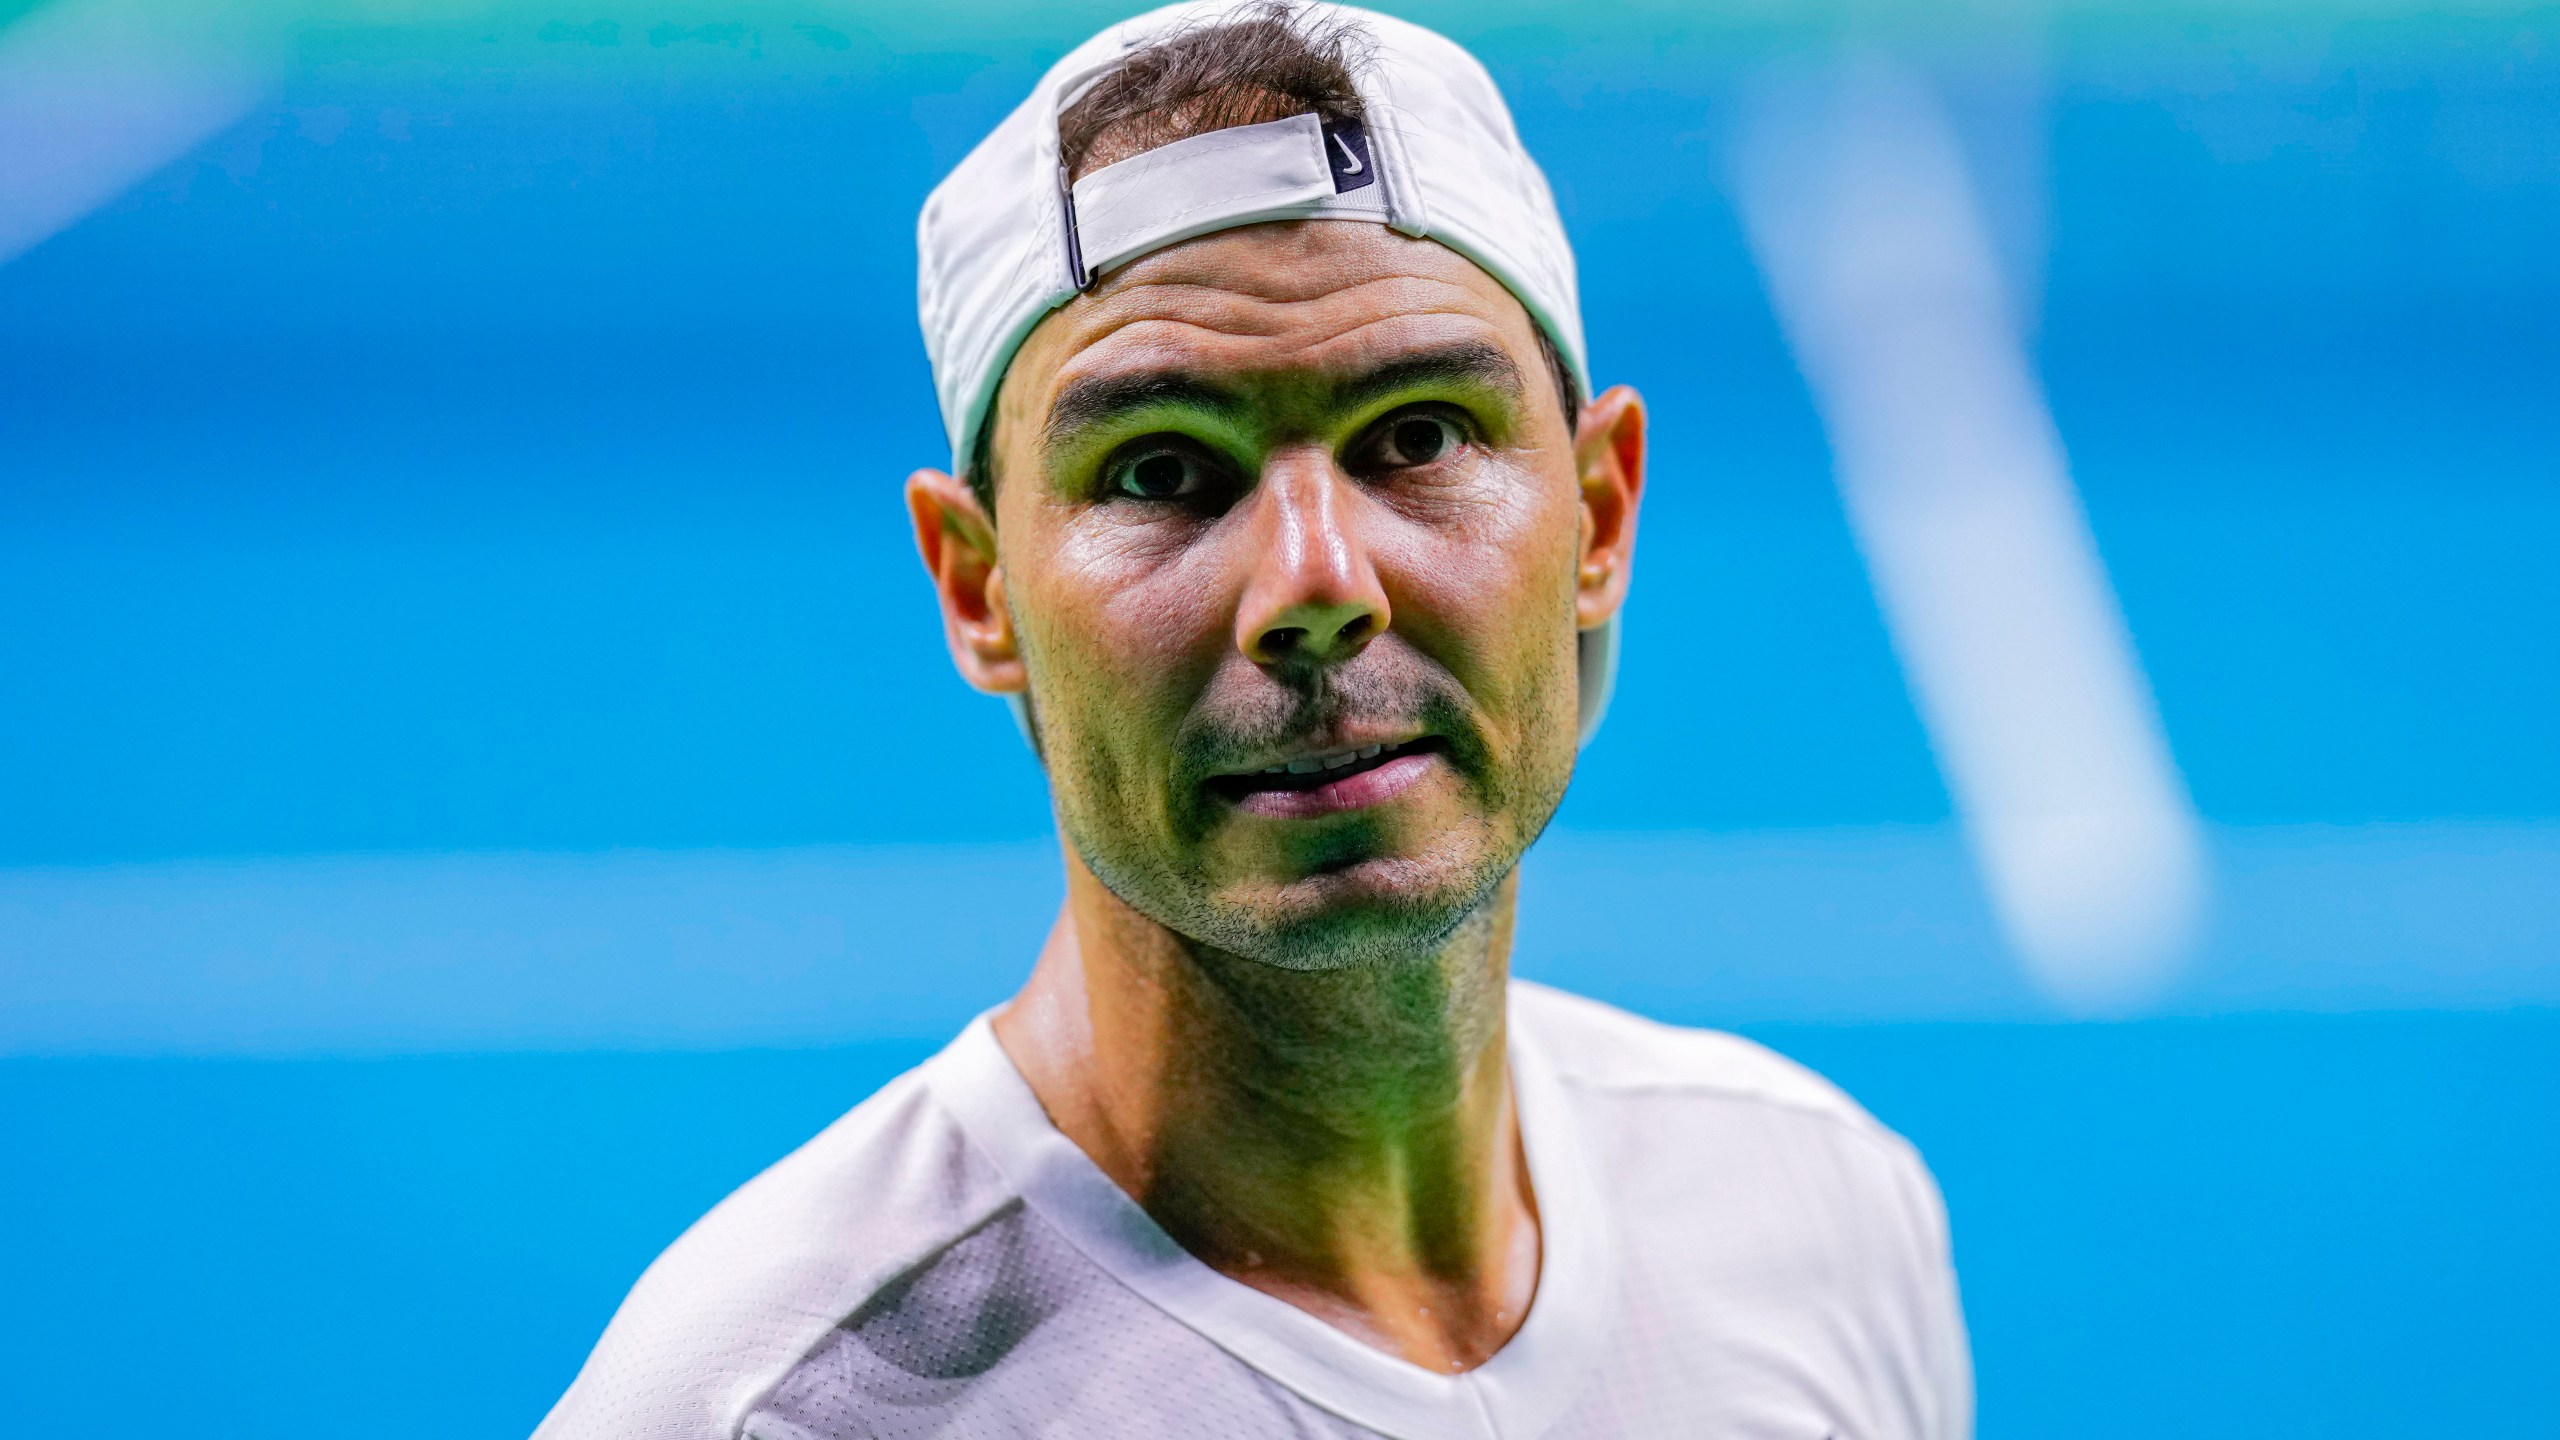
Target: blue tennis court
[{"x": 479, "y": 777}]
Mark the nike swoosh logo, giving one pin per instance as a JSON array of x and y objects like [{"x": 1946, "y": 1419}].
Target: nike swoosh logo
[{"x": 1350, "y": 163}]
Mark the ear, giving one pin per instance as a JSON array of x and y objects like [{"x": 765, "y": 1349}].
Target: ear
[
  {"x": 1608, "y": 451},
  {"x": 958, "y": 544}
]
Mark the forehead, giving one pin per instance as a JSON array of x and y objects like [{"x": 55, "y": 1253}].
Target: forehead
[{"x": 1269, "y": 303}]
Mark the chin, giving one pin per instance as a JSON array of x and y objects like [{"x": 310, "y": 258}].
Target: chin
[
  {"x": 1350, "y": 897},
  {"x": 1372, "y": 914}
]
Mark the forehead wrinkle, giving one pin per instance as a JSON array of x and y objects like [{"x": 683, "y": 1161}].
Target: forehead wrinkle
[
  {"x": 1250, "y": 308},
  {"x": 1184, "y": 314},
  {"x": 1170, "y": 355},
  {"x": 1345, "y": 288},
  {"x": 1178, "y": 340}
]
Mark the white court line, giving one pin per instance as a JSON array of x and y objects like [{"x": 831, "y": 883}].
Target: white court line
[
  {"x": 825, "y": 944},
  {"x": 1855, "y": 193},
  {"x": 517, "y": 950}
]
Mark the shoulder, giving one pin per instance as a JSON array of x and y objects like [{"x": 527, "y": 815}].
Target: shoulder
[
  {"x": 733, "y": 1304},
  {"x": 1741, "y": 1174},
  {"x": 1611, "y": 1057},
  {"x": 1602, "y": 1048}
]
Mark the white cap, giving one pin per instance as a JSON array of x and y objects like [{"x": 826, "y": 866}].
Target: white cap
[{"x": 1004, "y": 239}]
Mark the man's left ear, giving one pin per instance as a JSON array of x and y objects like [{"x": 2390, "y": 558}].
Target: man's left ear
[{"x": 1608, "y": 452}]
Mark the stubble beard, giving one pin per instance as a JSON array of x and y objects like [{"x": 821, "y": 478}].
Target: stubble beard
[{"x": 1378, "y": 912}]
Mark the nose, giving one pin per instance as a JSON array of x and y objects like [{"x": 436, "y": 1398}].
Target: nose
[{"x": 1313, "y": 596}]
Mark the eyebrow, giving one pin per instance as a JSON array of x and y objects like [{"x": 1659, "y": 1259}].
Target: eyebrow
[
  {"x": 1107, "y": 397},
  {"x": 1471, "y": 362},
  {"x": 1102, "y": 398}
]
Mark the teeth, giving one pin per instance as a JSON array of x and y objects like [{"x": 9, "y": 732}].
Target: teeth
[{"x": 1318, "y": 764}]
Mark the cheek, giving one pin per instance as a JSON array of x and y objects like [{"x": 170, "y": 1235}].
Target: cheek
[
  {"x": 1489, "y": 582},
  {"x": 1130, "y": 623}
]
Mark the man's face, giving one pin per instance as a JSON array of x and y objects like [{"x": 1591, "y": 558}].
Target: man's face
[{"x": 1293, "y": 541}]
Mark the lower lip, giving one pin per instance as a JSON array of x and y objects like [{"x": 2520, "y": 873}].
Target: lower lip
[{"x": 1352, "y": 792}]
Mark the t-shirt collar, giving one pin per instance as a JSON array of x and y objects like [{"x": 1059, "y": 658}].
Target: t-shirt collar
[{"x": 1513, "y": 1396}]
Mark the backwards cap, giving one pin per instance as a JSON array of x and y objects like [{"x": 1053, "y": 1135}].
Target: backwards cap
[{"x": 1005, "y": 239}]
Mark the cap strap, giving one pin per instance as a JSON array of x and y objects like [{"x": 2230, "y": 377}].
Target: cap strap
[{"x": 1280, "y": 170}]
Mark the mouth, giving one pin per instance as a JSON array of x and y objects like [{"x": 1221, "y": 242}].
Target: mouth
[{"x": 1330, "y": 781}]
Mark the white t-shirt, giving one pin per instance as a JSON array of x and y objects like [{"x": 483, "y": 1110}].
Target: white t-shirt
[{"x": 1729, "y": 1248}]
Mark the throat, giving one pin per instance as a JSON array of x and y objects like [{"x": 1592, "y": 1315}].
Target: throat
[
  {"x": 1348, "y": 1143},
  {"x": 1419, "y": 1239},
  {"x": 1342, "y": 1140}
]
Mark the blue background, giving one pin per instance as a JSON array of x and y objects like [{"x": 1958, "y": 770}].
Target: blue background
[{"x": 488, "y": 446}]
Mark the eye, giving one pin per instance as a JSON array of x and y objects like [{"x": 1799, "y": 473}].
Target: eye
[
  {"x": 1158, "y": 472},
  {"x": 1412, "y": 439}
]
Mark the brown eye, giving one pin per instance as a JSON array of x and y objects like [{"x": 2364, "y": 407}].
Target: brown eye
[
  {"x": 1159, "y": 475},
  {"x": 1413, "y": 440}
]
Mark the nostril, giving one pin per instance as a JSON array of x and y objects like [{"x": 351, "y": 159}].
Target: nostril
[
  {"x": 1357, "y": 629},
  {"x": 1279, "y": 644}
]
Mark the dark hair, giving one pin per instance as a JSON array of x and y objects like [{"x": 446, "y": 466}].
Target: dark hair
[
  {"x": 1267, "y": 66},
  {"x": 1272, "y": 63}
]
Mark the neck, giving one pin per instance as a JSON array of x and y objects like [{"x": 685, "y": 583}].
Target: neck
[{"x": 1344, "y": 1140}]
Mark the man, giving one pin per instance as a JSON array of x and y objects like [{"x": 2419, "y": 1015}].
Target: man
[{"x": 1285, "y": 516}]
